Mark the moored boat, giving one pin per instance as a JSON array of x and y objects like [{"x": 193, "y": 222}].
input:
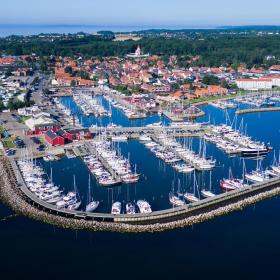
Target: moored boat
[
  {"x": 116, "y": 208},
  {"x": 144, "y": 207},
  {"x": 130, "y": 208},
  {"x": 175, "y": 200}
]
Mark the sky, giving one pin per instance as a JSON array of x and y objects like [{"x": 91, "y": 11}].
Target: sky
[{"x": 146, "y": 13}]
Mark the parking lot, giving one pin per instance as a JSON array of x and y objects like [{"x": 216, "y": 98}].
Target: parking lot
[{"x": 11, "y": 123}]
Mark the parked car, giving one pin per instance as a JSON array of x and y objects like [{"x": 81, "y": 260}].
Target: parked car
[
  {"x": 41, "y": 148},
  {"x": 36, "y": 140},
  {"x": 19, "y": 143},
  {"x": 10, "y": 152}
]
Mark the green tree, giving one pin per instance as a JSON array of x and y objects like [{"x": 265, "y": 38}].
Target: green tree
[
  {"x": 73, "y": 83},
  {"x": 68, "y": 69},
  {"x": 210, "y": 80},
  {"x": 2, "y": 106}
]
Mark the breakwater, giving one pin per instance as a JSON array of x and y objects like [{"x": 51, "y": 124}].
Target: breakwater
[
  {"x": 12, "y": 195},
  {"x": 257, "y": 110}
]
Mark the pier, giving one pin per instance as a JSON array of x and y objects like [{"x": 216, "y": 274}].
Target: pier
[
  {"x": 257, "y": 110},
  {"x": 92, "y": 150},
  {"x": 138, "y": 113},
  {"x": 136, "y": 132},
  {"x": 182, "y": 117},
  {"x": 180, "y": 155},
  {"x": 14, "y": 193}
]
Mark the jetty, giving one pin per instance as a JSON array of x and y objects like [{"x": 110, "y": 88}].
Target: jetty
[
  {"x": 92, "y": 150},
  {"x": 180, "y": 130},
  {"x": 257, "y": 110},
  {"x": 125, "y": 105},
  {"x": 182, "y": 117},
  {"x": 182, "y": 154}
]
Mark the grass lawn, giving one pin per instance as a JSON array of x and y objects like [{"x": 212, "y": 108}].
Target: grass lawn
[
  {"x": 213, "y": 98},
  {"x": 8, "y": 143},
  {"x": 24, "y": 118},
  {"x": 1, "y": 129}
]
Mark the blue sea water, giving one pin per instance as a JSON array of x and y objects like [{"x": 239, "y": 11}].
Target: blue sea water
[
  {"x": 27, "y": 30},
  {"x": 242, "y": 245},
  {"x": 32, "y": 29}
]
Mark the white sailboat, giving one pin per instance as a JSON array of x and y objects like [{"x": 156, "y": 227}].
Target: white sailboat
[
  {"x": 92, "y": 204},
  {"x": 208, "y": 193},
  {"x": 174, "y": 199},
  {"x": 191, "y": 197},
  {"x": 76, "y": 203}
]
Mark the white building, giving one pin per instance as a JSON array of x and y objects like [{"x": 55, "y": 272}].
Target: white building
[
  {"x": 137, "y": 54},
  {"x": 255, "y": 84}
]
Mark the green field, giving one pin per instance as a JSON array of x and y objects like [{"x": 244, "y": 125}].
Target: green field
[
  {"x": 8, "y": 143},
  {"x": 24, "y": 118}
]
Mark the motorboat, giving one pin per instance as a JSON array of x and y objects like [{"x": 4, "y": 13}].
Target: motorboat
[
  {"x": 144, "y": 207},
  {"x": 254, "y": 152},
  {"x": 116, "y": 208},
  {"x": 130, "y": 208},
  {"x": 120, "y": 138},
  {"x": 158, "y": 124},
  {"x": 130, "y": 178},
  {"x": 145, "y": 138}
]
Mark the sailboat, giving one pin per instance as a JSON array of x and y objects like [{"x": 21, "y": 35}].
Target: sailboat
[
  {"x": 276, "y": 165},
  {"x": 76, "y": 202},
  {"x": 191, "y": 196},
  {"x": 231, "y": 184},
  {"x": 174, "y": 199},
  {"x": 208, "y": 193},
  {"x": 92, "y": 204},
  {"x": 257, "y": 176}
]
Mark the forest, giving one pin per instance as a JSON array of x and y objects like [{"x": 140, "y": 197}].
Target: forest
[{"x": 221, "y": 49}]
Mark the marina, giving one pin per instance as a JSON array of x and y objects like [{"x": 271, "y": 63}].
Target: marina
[
  {"x": 232, "y": 141},
  {"x": 183, "y": 153},
  {"x": 89, "y": 105},
  {"x": 130, "y": 111},
  {"x": 153, "y": 149},
  {"x": 182, "y": 216}
]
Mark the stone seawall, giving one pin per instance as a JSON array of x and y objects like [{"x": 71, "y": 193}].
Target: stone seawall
[{"x": 12, "y": 196}]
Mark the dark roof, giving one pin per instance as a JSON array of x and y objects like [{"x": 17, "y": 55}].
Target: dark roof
[
  {"x": 51, "y": 134},
  {"x": 61, "y": 132},
  {"x": 74, "y": 131}
]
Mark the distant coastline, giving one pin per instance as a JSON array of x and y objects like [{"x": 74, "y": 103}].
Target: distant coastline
[{"x": 30, "y": 29}]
